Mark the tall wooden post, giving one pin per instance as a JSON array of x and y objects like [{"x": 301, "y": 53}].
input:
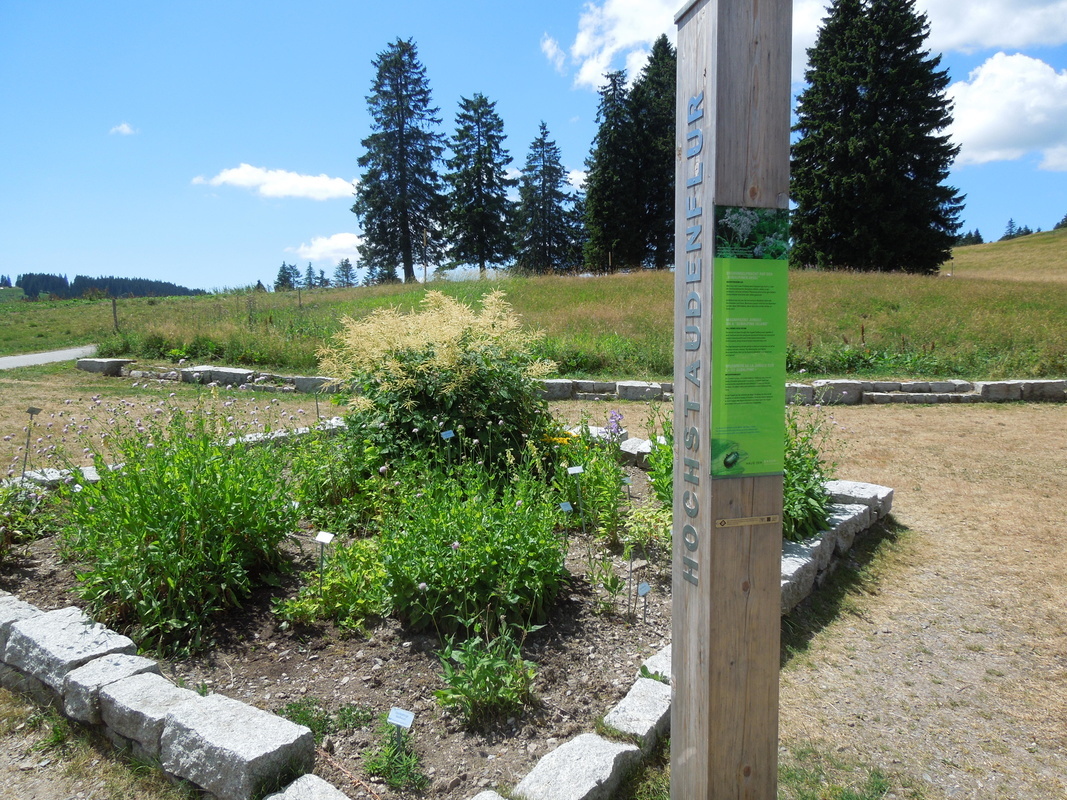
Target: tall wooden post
[{"x": 731, "y": 194}]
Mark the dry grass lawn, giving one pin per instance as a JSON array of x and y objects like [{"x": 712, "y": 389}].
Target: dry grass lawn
[{"x": 951, "y": 674}]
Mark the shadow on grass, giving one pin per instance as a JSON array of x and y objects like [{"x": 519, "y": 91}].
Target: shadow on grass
[
  {"x": 805, "y": 772},
  {"x": 859, "y": 573}
]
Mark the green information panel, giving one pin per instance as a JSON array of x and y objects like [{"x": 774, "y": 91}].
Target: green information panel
[{"x": 749, "y": 341}]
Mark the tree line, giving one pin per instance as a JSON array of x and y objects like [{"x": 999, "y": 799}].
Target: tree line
[
  {"x": 869, "y": 161},
  {"x": 35, "y": 284},
  {"x": 419, "y": 207}
]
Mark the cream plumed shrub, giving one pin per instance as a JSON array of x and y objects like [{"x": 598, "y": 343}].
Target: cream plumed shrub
[{"x": 445, "y": 366}]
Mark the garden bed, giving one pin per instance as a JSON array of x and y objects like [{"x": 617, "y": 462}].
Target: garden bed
[{"x": 586, "y": 656}]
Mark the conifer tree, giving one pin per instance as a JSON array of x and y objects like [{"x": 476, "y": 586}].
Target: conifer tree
[
  {"x": 479, "y": 211},
  {"x": 310, "y": 278},
  {"x": 398, "y": 198},
  {"x": 869, "y": 165},
  {"x": 288, "y": 278},
  {"x": 546, "y": 230},
  {"x": 652, "y": 101},
  {"x": 344, "y": 274},
  {"x": 614, "y": 213}
]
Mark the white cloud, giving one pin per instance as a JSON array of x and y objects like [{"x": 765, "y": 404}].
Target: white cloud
[
  {"x": 1010, "y": 106},
  {"x": 280, "y": 183},
  {"x": 330, "y": 249},
  {"x": 616, "y": 29},
  {"x": 576, "y": 178},
  {"x": 955, "y": 25},
  {"x": 123, "y": 129},
  {"x": 553, "y": 52},
  {"x": 989, "y": 24}
]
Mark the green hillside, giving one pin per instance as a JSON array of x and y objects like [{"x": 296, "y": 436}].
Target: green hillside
[{"x": 998, "y": 310}]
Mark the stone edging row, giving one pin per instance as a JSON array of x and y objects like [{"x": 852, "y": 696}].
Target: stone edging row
[
  {"x": 843, "y": 392},
  {"x": 233, "y": 750},
  {"x": 591, "y": 767}
]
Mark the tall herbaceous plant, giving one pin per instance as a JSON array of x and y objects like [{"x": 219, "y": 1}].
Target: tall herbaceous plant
[
  {"x": 186, "y": 519},
  {"x": 444, "y": 367}
]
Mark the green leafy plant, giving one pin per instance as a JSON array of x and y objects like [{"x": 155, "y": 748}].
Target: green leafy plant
[
  {"x": 25, "y": 513},
  {"x": 458, "y": 547},
  {"x": 648, "y": 527},
  {"x": 602, "y": 573},
  {"x": 661, "y": 456},
  {"x": 313, "y": 713},
  {"x": 188, "y": 525},
  {"x": 336, "y": 479},
  {"x": 645, "y": 672},
  {"x": 805, "y": 501},
  {"x": 350, "y": 590},
  {"x": 595, "y": 493},
  {"x": 486, "y": 677},
  {"x": 395, "y": 761}
]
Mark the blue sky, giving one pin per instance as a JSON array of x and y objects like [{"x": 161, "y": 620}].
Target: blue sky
[{"x": 207, "y": 142}]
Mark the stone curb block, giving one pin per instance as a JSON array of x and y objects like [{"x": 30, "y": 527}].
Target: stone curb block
[
  {"x": 878, "y": 498},
  {"x": 50, "y": 645},
  {"x": 635, "y": 451},
  {"x": 557, "y": 389},
  {"x": 312, "y": 787},
  {"x": 136, "y": 709},
  {"x": 798, "y": 574},
  {"x": 845, "y": 521},
  {"x": 1045, "y": 391},
  {"x": 587, "y": 767},
  {"x": 846, "y": 393},
  {"x": 233, "y": 750},
  {"x": 645, "y": 712},
  {"x": 108, "y": 367},
  {"x": 595, "y": 387},
  {"x": 81, "y": 687},
  {"x": 658, "y": 664},
  {"x": 638, "y": 390},
  {"x": 11, "y": 611}
]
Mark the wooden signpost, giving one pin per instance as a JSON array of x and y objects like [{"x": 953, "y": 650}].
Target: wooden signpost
[{"x": 732, "y": 181}]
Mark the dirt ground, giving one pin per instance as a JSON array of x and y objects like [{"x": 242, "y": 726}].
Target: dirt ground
[{"x": 951, "y": 675}]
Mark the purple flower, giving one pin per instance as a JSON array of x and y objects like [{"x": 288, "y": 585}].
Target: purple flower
[
  {"x": 422, "y": 587},
  {"x": 455, "y": 545}
]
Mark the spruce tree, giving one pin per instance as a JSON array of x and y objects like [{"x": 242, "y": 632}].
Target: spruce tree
[
  {"x": 398, "y": 198},
  {"x": 479, "y": 211},
  {"x": 869, "y": 166},
  {"x": 344, "y": 274},
  {"x": 545, "y": 230},
  {"x": 652, "y": 101},
  {"x": 310, "y": 279},
  {"x": 614, "y": 213},
  {"x": 288, "y": 277}
]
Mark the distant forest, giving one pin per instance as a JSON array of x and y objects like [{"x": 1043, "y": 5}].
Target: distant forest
[{"x": 36, "y": 284}]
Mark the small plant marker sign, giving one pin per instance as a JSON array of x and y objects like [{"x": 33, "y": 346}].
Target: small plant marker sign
[
  {"x": 401, "y": 720},
  {"x": 642, "y": 591},
  {"x": 576, "y": 472},
  {"x": 447, "y": 437},
  {"x": 33, "y": 411},
  {"x": 323, "y": 538}
]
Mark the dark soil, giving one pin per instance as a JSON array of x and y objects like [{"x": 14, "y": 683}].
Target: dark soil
[{"x": 587, "y": 657}]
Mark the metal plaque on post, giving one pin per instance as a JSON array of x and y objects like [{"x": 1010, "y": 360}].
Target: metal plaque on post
[{"x": 731, "y": 196}]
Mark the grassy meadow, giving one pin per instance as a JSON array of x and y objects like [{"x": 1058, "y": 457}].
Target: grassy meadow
[{"x": 997, "y": 310}]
